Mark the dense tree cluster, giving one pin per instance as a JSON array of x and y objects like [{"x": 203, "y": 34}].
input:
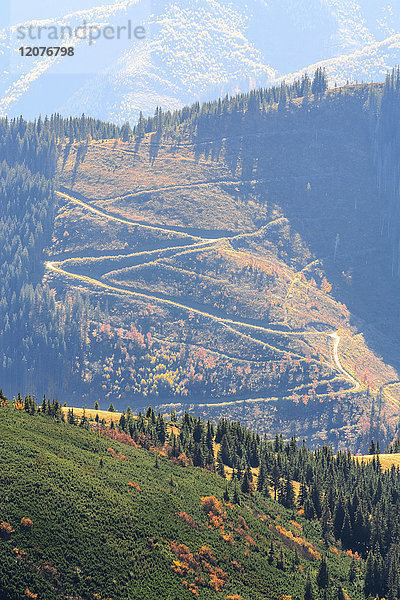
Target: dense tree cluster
[
  {"x": 39, "y": 338},
  {"x": 355, "y": 504},
  {"x": 263, "y": 99},
  {"x": 43, "y": 337},
  {"x": 386, "y": 131}
]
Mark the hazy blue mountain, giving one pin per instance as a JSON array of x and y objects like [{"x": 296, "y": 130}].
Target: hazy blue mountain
[{"x": 194, "y": 50}]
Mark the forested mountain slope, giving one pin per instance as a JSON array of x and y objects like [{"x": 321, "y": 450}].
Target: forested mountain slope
[
  {"x": 237, "y": 257},
  {"x": 276, "y": 197},
  {"x": 88, "y": 512}
]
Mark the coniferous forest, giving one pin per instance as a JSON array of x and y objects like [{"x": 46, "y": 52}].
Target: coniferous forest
[
  {"x": 215, "y": 509},
  {"x": 240, "y": 307},
  {"x": 63, "y": 340}
]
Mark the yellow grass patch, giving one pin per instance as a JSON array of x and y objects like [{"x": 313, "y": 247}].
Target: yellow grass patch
[
  {"x": 91, "y": 414},
  {"x": 386, "y": 460}
]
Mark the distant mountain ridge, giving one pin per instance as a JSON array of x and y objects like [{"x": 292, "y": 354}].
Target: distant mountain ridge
[{"x": 203, "y": 49}]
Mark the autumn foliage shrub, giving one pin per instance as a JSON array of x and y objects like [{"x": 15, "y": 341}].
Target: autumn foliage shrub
[
  {"x": 114, "y": 454},
  {"x": 181, "y": 460},
  {"x": 6, "y": 529},
  {"x": 212, "y": 506},
  {"x": 297, "y": 543},
  {"x": 26, "y": 522},
  {"x": 218, "y": 578},
  {"x": 134, "y": 485},
  {"x": 119, "y": 436},
  {"x": 205, "y": 554},
  {"x": 188, "y": 519},
  {"x": 186, "y": 560}
]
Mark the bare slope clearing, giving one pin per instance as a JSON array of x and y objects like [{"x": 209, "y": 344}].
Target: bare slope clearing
[{"x": 221, "y": 252}]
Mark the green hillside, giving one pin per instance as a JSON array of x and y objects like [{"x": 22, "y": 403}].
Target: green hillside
[{"x": 112, "y": 521}]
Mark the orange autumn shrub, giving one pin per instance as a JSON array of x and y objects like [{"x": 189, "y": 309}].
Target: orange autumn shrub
[
  {"x": 215, "y": 521},
  {"x": 228, "y": 537},
  {"x": 179, "y": 567},
  {"x": 205, "y": 554},
  {"x": 119, "y": 436},
  {"x": 218, "y": 578},
  {"x": 134, "y": 485},
  {"x": 191, "y": 587},
  {"x": 194, "y": 589},
  {"x": 234, "y": 597},
  {"x": 188, "y": 519},
  {"x": 20, "y": 553},
  {"x": 6, "y": 529},
  {"x": 184, "y": 557},
  {"x": 30, "y": 594},
  {"x": 237, "y": 565},
  {"x": 297, "y": 543},
  {"x": 182, "y": 460},
  {"x": 212, "y": 506},
  {"x": 26, "y": 522},
  {"x": 296, "y": 525}
]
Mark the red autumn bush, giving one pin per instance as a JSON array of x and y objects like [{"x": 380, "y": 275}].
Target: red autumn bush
[
  {"x": 119, "y": 436},
  {"x": 114, "y": 454},
  {"x": 205, "y": 554},
  {"x": 189, "y": 520}
]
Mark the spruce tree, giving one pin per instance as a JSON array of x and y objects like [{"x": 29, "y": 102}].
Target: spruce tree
[
  {"x": 322, "y": 576},
  {"x": 308, "y": 592}
]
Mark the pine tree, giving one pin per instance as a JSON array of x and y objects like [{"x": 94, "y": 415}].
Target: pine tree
[
  {"x": 245, "y": 484},
  {"x": 326, "y": 519},
  {"x": 226, "y": 494},
  {"x": 352, "y": 571},
  {"x": 262, "y": 477},
  {"x": 308, "y": 592},
  {"x": 322, "y": 576},
  {"x": 303, "y": 493},
  {"x": 320, "y": 83},
  {"x": 289, "y": 495},
  {"x": 236, "y": 499},
  {"x": 309, "y": 510},
  {"x": 220, "y": 465},
  {"x": 271, "y": 554}
]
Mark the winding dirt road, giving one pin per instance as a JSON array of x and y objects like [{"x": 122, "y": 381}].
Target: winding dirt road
[
  {"x": 336, "y": 337},
  {"x": 232, "y": 325}
]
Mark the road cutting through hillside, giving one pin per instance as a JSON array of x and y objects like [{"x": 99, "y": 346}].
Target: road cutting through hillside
[
  {"x": 336, "y": 337},
  {"x": 230, "y": 324}
]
